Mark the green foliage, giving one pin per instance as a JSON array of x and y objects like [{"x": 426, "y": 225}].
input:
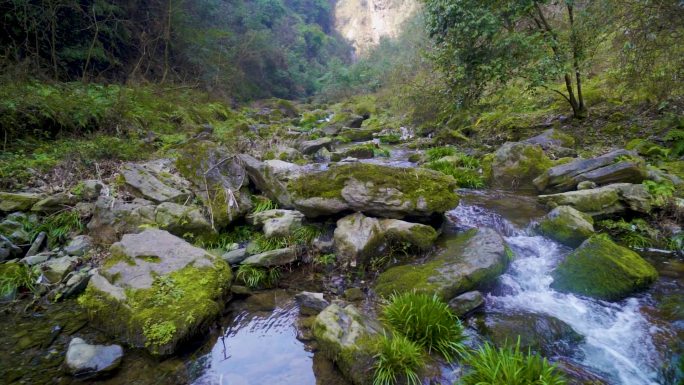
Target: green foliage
[
  {"x": 676, "y": 243},
  {"x": 427, "y": 321},
  {"x": 635, "y": 234},
  {"x": 14, "y": 276},
  {"x": 437, "y": 153},
  {"x": 238, "y": 234},
  {"x": 397, "y": 358},
  {"x": 325, "y": 259},
  {"x": 508, "y": 365},
  {"x": 675, "y": 138},
  {"x": 262, "y": 204},
  {"x": 661, "y": 191},
  {"x": 59, "y": 227},
  {"x": 465, "y": 176},
  {"x": 256, "y": 276}
]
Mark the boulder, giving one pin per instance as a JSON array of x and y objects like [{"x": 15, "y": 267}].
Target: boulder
[
  {"x": 357, "y": 239},
  {"x": 390, "y": 192},
  {"x": 235, "y": 257},
  {"x": 220, "y": 178},
  {"x": 180, "y": 220},
  {"x": 271, "y": 177},
  {"x": 345, "y": 337},
  {"x": 55, "y": 202},
  {"x": 620, "y": 166},
  {"x": 612, "y": 199},
  {"x": 56, "y": 269},
  {"x": 567, "y": 226},
  {"x": 466, "y": 303},
  {"x": 85, "y": 360},
  {"x": 515, "y": 165},
  {"x": 555, "y": 143},
  {"x": 277, "y": 222},
  {"x": 154, "y": 181},
  {"x": 357, "y": 152},
  {"x": 322, "y": 156},
  {"x": 416, "y": 234},
  {"x": 114, "y": 217},
  {"x": 156, "y": 291},
  {"x": 272, "y": 258},
  {"x": 311, "y": 303},
  {"x": 465, "y": 262},
  {"x": 10, "y": 202},
  {"x": 310, "y": 147},
  {"x": 601, "y": 269},
  {"x": 8, "y": 250},
  {"x": 358, "y": 134},
  {"x": 79, "y": 245},
  {"x": 89, "y": 189}
]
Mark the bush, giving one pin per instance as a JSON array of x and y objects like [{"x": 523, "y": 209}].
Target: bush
[
  {"x": 398, "y": 358},
  {"x": 427, "y": 321},
  {"x": 509, "y": 366}
]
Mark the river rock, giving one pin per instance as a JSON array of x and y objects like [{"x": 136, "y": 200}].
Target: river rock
[
  {"x": 390, "y": 192},
  {"x": 79, "y": 245},
  {"x": 114, "y": 217},
  {"x": 56, "y": 269},
  {"x": 311, "y": 303},
  {"x": 271, "y": 177},
  {"x": 620, "y": 166},
  {"x": 220, "y": 179},
  {"x": 156, "y": 291},
  {"x": 515, "y": 165},
  {"x": 234, "y": 257},
  {"x": 37, "y": 244},
  {"x": 466, "y": 303},
  {"x": 344, "y": 335},
  {"x": 180, "y": 220},
  {"x": 55, "y": 202},
  {"x": 310, "y": 147},
  {"x": 416, "y": 234},
  {"x": 277, "y": 222},
  {"x": 272, "y": 258},
  {"x": 37, "y": 259},
  {"x": 10, "y": 202},
  {"x": 552, "y": 139},
  {"x": 154, "y": 181},
  {"x": 601, "y": 269},
  {"x": 465, "y": 262},
  {"x": 541, "y": 333},
  {"x": 357, "y": 239},
  {"x": 8, "y": 249},
  {"x": 85, "y": 360},
  {"x": 567, "y": 226},
  {"x": 612, "y": 199},
  {"x": 359, "y": 134},
  {"x": 357, "y": 152}
]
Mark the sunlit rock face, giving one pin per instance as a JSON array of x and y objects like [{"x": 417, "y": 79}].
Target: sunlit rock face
[{"x": 365, "y": 22}]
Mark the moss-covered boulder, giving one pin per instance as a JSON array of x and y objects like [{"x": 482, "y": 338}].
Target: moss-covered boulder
[
  {"x": 515, "y": 165},
  {"x": 156, "y": 291},
  {"x": 346, "y": 337},
  {"x": 358, "y": 238},
  {"x": 155, "y": 181},
  {"x": 384, "y": 191},
  {"x": 114, "y": 217},
  {"x": 181, "y": 220},
  {"x": 219, "y": 178},
  {"x": 271, "y": 177},
  {"x": 465, "y": 262},
  {"x": 620, "y": 166},
  {"x": 10, "y": 202},
  {"x": 598, "y": 202},
  {"x": 567, "y": 226},
  {"x": 414, "y": 234},
  {"x": 601, "y": 269}
]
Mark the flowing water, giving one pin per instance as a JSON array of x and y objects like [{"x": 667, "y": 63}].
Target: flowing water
[{"x": 620, "y": 338}]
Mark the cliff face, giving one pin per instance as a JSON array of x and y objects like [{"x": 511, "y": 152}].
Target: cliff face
[{"x": 364, "y": 22}]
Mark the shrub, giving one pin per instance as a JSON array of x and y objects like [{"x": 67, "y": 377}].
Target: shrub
[
  {"x": 508, "y": 365},
  {"x": 427, "y": 321},
  {"x": 397, "y": 358}
]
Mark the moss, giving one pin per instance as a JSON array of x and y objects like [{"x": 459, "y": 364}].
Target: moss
[
  {"x": 601, "y": 269},
  {"x": 567, "y": 226},
  {"x": 418, "y": 186},
  {"x": 565, "y": 139},
  {"x": 176, "y": 307}
]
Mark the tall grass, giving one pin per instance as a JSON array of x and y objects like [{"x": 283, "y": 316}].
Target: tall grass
[
  {"x": 427, "y": 321},
  {"x": 398, "y": 359}
]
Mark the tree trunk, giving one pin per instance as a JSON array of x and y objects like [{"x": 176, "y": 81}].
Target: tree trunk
[{"x": 580, "y": 111}]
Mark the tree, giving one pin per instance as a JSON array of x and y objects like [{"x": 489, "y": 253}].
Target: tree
[{"x": 484, "y": 43}]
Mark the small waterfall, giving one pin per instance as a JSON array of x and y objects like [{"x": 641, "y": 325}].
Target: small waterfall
[{"x": 617, "y": 337}]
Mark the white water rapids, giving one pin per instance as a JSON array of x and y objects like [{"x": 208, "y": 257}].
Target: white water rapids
[{"x": 618, "y": 341}]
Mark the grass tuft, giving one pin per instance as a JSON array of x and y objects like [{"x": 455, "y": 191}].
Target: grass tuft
[
  {"x": 255, "y": 276},
  {"x": 398, "y": 359}
]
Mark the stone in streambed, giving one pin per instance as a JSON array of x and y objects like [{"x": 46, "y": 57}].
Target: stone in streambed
[
  {"x": 311, "y": 303},
  {"x": 607, "y": 200},
  {"x": 85, "y": 360},
  {"x": 79, "y": 245},
  {"x": 601, "y": 269},
  {"x": 466, "y": 303},
  {"x": 273, "y": 258},
  {"x": 515, "y": 165},
  {"x": 277, "y": 222},
  {"x": 567, "y": 226},
  {"x": 357, "y": 239}
]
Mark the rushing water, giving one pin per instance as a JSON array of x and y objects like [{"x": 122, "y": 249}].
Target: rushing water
[{"x": 618, "y": 338}]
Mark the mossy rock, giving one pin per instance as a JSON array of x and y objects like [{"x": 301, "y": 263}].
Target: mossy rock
[
  {"x": 374, "y": 189},
  {"x": 567, "y": 226},
  {"x": 10, "y": 202},
  {"x": 515, "y": 165},
  {"x": 465, "y": 262},
  {"x": 601, "y": 269},
  {"x": 156, "y": 291}
]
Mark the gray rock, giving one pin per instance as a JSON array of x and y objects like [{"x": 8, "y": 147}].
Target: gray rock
[
  {"x": 79, "y": 245},
  {"x": 341, "y": 332},
  {"x": 602, "y": 201},
  {"x": 89, "y": 189},
  {"x": 586, "y": 185},
  {"x": 56, "y": 269},
  {"x": 415, "y": 234},
  {"x": 312, "y": 146},
  {"x": 235, "y": 257},
  {"x": 466, "y": 303},
  {"x": 567, "y": 226},
  {"x": 37, "y": 244},
  {"x": 357, "y": 239},
  {"x": 277, "y": 222},
  {"x": 8, "y": 249},
  {"x": 271, "y": 177},
  {"x": 83, "y": 359},
  {"x": 620, "y": 166},
  {"x": 272, "y": 258},
  {"x": 114, "y": 217},
  {"x": 322, "y": 155},
  {"x": 554, "y": 142},
  {"x": 180, "y": 220},
  {"x": 464, "y": 262},
  {"x": 37, "y": 259},
  {"x": 515, "y": 165},
  {"x": 10, "y": 202},
  {"x": 311, "y": 303},
  {"x": 55, "y": 202},
  {"x": 144, "y": 181}
]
